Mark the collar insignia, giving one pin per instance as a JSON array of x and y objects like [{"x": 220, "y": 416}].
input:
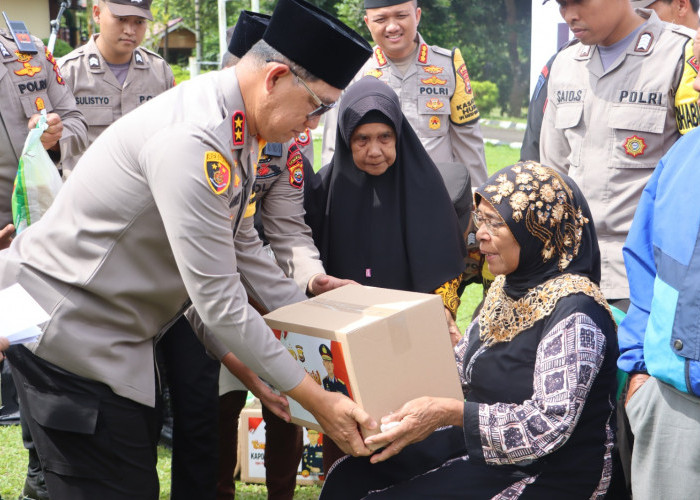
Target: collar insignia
[
  {"x": 217, "y": 171},
  {"x": 644, "y": 42},
  {"x": 423, "y": 53},
  {"x": 238, "y": 121},
  {"x": 379, "y": 55},
  {"x": 585, "y": 51},
  {"x": 94, "y": 61},
  {"x": 138, "y": 58},
  {"x": 4, "y": 51},
  {"x": 434, "y": 104},
  {"x": 635, "y": 146}
]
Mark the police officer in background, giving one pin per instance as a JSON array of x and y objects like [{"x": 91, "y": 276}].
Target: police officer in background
[
  {"x": 431, "y": 82},
  {"x": 30, "y": 83},
  {"x": 144, "y": 223},
  {"x": 683, "y": 12},
  {"x": 276, "y": 208},
  {"x": 111, "y": 74}
]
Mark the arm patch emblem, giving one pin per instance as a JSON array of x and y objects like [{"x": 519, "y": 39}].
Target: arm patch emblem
[{"x": 217, "y": 171}]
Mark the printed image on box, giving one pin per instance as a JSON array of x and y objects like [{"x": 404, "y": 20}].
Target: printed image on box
[
  {"x": 323, "y": 360},
  {"x": 252, "y": 441}
]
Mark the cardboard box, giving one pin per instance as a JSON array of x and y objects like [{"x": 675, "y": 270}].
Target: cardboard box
[
  {"x": 251, "y": 448},
  {"x": 384, "y": 347}
]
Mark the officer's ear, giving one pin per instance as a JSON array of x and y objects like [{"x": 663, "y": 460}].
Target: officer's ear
[
  {"x": 274, "y": 71},
  {"x": 96, "y": 12}
]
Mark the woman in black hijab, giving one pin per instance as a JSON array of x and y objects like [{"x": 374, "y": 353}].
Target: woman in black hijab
[
  {"x": 379, "y": 211},
  {"x": 537, "y": 366}
]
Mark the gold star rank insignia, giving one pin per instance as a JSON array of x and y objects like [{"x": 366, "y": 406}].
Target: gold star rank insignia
[{"x": 238, "y": 121}]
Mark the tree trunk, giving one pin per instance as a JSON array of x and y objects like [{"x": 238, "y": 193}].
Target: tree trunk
[{"x": 518, "y": 82}]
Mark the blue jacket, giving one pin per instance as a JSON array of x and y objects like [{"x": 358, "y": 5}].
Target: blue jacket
[{"x": 661, "y": 333}]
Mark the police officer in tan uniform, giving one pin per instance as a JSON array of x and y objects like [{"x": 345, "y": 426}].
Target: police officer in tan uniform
[
  {"x": 431, "y": 82},
  {"x": 148, "y": 225},
  {"x": 275, "y": 214},
  {"x": 613, "y": 111},
  {"x": 111, "y": 74},
  {"x": 30, "y": 83}
]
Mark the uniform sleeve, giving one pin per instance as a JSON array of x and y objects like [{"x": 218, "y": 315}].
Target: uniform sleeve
[
  {"x": 554, "y": 148},
  {"x": 74, "y": 140},
  {"x": 638, "y": 253},
  {"x": 568, "y": 360},
  {"x": 168, "y": 76},
  {"x": 197, "y": 222},
  {"x": 285, "y": 229},
  {"x": 530, "y": 149},
  {"x": 263, "y": 279},
  {"x": 465, "y": 132}
]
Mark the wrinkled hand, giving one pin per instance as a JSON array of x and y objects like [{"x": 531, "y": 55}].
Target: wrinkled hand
[
  {"x": 322, "y": 283},
  {"x": 417, "y": 420},
  {"x": 50, "y": 137},
  {"x": 455, "y": 334},
  {"x": 6, "y": 236},
  {"x": 636, "y": 381},
  {"x": 340, "y": 418}
]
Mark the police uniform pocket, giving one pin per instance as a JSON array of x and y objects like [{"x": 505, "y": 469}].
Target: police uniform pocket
[
  {"x": 98, "y": 115},
  {"x": 68, "y": 438},
  {"x": 34, "y": 103},
  {"x": 638, "y": 135},
  {"x": 433, "y": 116},
  {"x": 567, "y": 119}
]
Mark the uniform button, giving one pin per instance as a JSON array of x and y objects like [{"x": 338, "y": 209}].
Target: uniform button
[{"x": 678, "y": 344}]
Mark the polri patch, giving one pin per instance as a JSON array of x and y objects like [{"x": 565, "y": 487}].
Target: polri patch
[
  {"x": 238, "y": 122},
  {"x": 295, "y": 166},
  {"x": 635, "y": 146},
  {"x": 217, "y": 171},
  {"x": 434, "y": 122},
  {"x": 434, "y": 104}
]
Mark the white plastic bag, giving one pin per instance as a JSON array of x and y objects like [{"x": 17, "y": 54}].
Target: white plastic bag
[{"x": 37, "y": 182}]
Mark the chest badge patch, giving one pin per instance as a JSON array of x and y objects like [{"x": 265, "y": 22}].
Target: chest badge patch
[
  {"x": 295, "y": 166},
  {"x": 434, "y": 104},
  {"x": 374, "y": 72},
  {"x": 434, "y": 122},
  {"x": 304, "y": 138},
  {"x": 635, "y": 146},
  {"x": 238, "y": 121},
  {"x": 433, "y": 70},
  {"x": 217, "y": 171},
  {"x": 27, "y": 68},
  {"x": 39, "y": 103},
  {"x": 433, "y": 80}
]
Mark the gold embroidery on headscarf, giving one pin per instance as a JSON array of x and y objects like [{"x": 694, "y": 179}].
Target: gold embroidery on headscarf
[
  {"x": 449, "y": 295},
  {"x": 503, "y": 318},
  {"x": 543, "y": 200}
]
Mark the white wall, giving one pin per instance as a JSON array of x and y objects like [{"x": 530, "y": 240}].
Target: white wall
[
  {"x": 34, "y": 13},
  {"x": 549, "y": 32}
]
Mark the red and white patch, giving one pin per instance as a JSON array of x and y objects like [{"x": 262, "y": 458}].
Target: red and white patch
[
  {"x": 462, "y": 71},
  {"x": 217, "y": 171},
  {"x": 304, "y": 138},
  {"x": 635, "y": 146}
]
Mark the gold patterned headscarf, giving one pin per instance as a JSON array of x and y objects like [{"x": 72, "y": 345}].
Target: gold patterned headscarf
[{"x": 559, "y": 255}]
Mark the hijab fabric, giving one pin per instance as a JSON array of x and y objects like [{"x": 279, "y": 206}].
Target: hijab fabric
[
  {"x": 559, "y": 255},
  {"x": 394, "y": 230}
]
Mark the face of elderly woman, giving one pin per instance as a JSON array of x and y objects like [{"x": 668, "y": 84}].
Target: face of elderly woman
[
  {"x": 373, "y": 147},
  {"x": 496, "y": 241}
]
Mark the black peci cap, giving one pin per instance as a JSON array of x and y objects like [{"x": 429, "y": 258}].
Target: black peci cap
[
  {"x": 376, "y": 4},
  {"x": 248, "y": 31},
  {"x": 317, "y": 41}
]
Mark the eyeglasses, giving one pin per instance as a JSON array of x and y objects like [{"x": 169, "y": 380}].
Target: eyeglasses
[
  {"x": 492, "y": 224},
  {"x": 322, "y": 108}
]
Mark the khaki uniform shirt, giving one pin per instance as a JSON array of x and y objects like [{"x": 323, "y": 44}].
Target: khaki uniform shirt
[
  {"x": 98, "y": 93},
  {"x": 437, "y": 99},
  {"x": 28, "y": 84},
  {"x": 609, "y": 129},
  {"x": 144, "y": 226},
  {"x": 278, "y": 194}
]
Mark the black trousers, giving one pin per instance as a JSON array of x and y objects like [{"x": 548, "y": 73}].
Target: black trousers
[
  {"x": 193, "y": 381},
  {"x": 92, "y": 443}
]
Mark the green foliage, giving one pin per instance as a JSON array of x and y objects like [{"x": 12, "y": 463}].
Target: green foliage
[
  {"x": 181, "y": 73},
  {"x": 486, "y": 96},
  {"x": 60, "y": 49}
]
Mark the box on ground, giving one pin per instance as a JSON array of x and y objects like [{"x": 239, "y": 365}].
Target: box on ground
[
  {"x": 380, "y": 347},
  {"x": 251, "y": 448}
]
